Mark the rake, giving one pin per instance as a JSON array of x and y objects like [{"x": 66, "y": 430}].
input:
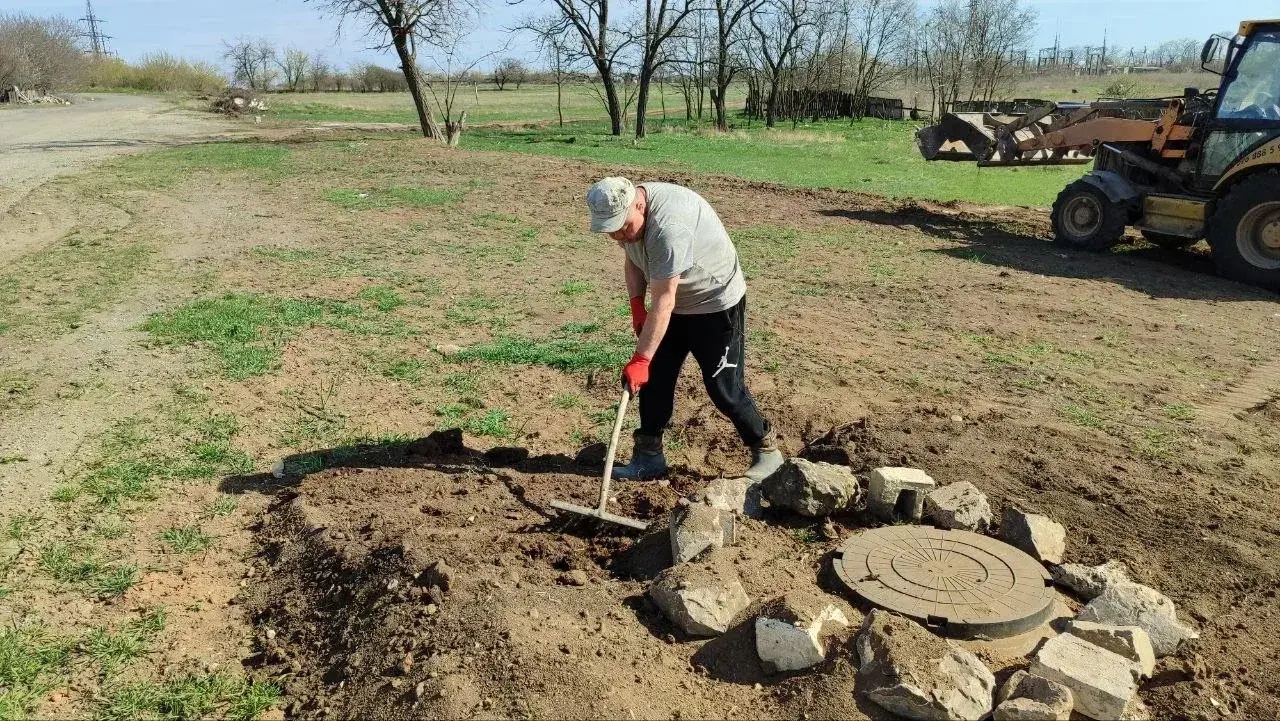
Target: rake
[{"x": 600, "y": 512}]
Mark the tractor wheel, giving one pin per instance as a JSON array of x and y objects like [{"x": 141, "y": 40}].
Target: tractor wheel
[
  {"x": 1166, "y": 241},
  {"x": 1245, "y": 232},
  {"x": 1084, "y": 217}
]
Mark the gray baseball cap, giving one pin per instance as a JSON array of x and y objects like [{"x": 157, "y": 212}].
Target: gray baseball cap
[{"x": 609, "y": 200}]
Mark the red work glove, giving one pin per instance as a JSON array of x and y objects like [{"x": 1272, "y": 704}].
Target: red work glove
[
  {"x": 638, "y": 314},
  {"x": 636, "y": 373}
]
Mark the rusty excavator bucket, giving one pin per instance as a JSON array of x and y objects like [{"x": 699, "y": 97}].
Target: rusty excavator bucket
[{"x": 995, "y": 138}]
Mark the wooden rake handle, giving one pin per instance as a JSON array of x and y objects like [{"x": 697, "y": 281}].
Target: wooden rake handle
[{"x": 613, "y": 449}]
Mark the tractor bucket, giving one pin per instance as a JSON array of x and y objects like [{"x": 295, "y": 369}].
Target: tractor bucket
[{"x": 957, "y": 136}]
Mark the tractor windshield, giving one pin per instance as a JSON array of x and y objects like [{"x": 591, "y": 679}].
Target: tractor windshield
[{"x": 1253, "y": 92}]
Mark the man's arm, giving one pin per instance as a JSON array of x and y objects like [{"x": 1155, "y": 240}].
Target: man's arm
[
  {"x": 663, "y": 293},
  {"x": 634, "y": 277}
]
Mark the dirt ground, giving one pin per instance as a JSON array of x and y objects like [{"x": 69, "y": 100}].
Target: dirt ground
[{"x": 1131, "y": 397}]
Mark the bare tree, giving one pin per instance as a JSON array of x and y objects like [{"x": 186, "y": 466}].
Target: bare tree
[
  {"x": 40, "y": 53},
  {"x": 881, "y": 32},
  {"x": 294, "y": 65},
  {"x": 253, "y": 62},
  {"x": 452, "y": 72},
  {"x": 403, "y": 24},
  {"x": 603, "y": 44},
  {"x": 778, "y": 25},
  {"x": 509, "y": 70},
  {"x": 320, "y": 74},
  {"x": 554, "y": 44},
  {"x": 662, "y": 19},
  {"x": 729, "y": 14}
]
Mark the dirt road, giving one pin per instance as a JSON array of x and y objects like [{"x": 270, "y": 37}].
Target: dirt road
[{"x": 42, "y": 143}]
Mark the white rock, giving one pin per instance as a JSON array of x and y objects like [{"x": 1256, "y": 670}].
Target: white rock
[
  {"x": 1032, "y": 698},
  {"x": 812, "y": 489},
  {"x": 913, "y": 673},
  {"x": 739, "y": 495},
  {"x": 790, "y": 629},
  {"x": 959, "y": 506},
  {"x": 701, "y": 599},
  {"x": 1133, "y": 604},
  {"x": 892, "y": 487},
  {"x": 1089, "y": 582},
  {"x": 697, "y": 527},
  {"x": 1040, "y": 536},
  {"x": 1101, "y": 682},
  {"x": 1130, "y": 642},
  {"x": 277, "y": 469}
]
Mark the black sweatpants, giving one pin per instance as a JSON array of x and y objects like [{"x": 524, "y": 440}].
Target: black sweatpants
[{"x": 718, "y": 342}]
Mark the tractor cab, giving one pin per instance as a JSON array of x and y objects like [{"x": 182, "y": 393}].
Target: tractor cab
[{"x": 1246, "y": 112}]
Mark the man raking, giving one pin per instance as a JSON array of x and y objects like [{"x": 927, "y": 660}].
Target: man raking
[{"x": 678, "y": 250}]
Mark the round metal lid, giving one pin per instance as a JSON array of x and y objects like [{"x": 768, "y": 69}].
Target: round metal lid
[{"x": 958, "y": 583}]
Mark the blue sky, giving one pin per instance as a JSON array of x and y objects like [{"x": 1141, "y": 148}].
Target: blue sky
[{"x": 196, "y": 28}]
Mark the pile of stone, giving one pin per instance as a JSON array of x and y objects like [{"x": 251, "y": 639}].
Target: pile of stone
[
  {"x": 1093, "y": 668},
  {"x": 236, "y": 101}
]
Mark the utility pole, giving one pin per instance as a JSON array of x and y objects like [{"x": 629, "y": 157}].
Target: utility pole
[{"x": 93, "y": 33}]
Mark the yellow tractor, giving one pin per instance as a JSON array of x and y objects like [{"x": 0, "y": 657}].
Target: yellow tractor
[{"x": 1204, "y": 165}]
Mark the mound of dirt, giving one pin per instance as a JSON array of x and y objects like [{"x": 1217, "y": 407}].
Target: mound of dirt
[{"x": 439, "y": 589}]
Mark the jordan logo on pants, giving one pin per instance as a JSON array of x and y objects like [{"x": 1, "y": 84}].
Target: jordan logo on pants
[{"x": 724, "y": 363}]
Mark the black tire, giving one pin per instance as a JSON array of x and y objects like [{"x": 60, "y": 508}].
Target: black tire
[
  {"x": 1244, "y": 232},
  {"x": 1168, "y": 242},
  {"x": 1084, "y": 217}
]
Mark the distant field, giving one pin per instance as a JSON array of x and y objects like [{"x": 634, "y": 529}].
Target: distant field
[{"x": 487, "y": 104}]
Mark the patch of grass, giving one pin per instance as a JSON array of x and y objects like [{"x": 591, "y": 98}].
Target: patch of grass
[
  {"x": 115, "y": 581},
  {"x": 566, "y": 401},
  {"x": 89, "y": 273},
  {"x": 77, "y": 564},
  {"x": 245, "y": 330},
  {"x": 466, "y": 311},
  {"x": 574, "y": 288},
  {"x": 286, "y": 255},
  {"x": 393, "y": 197},
  {"x": 187, "y": 698},
  {"x": 186, "y": 539},
  {"x": 30, "y": 660},
  {"x": 493, "y": 424},
  {"x": 384, "y": 298},
  {"x": 128, "y": 480},
  {"x": 1081, "y": 416},
  {"x": 168, "y": 168},
  {"x": 112, "y": 649},
  {"x": 110, "y": 528},
  {"x": 408, "y": 370},
  {"x": 881, "y": 272},
  {"x": 224, "y": 506},
  {"x": 566, "y": 354},
  {"x": 579, "y": 328},
  {"x": 1180, "y": 411},
  {"x": 21, "y": 525},
  {"x": 1158, "y": 445}
]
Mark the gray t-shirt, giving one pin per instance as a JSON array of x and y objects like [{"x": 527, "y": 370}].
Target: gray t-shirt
[{"x": 683, "y": 236}]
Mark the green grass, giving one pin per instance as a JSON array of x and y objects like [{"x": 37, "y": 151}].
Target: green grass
[
  {"x": 168, "y": 168},
  {"x": 224, "y": 506},
  {"x": 21, "y": 525},
  {"x": 394, "y": 197},
  {"x": 873, "y": 156},
  {"x": 1180, "y": 411},
  {"x": 30, "y": 660},
  {"x": 89, "y": 272},
  {"x": 567, "y": 354},
  {"x": 132, "y": 640},
  {"x": 384, "y": 298},
  {"x": 1081, "y": 416},
  {"x": 574, "y": 288},
  {"x": 245, "y": 330},
  {"x": 186, "y": 539},
  {"x": 566, "y": 401},
  {"x": 187, "y": 698},
  {"x": 78, "y": 564}
]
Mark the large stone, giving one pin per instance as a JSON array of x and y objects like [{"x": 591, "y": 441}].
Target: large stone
[
  {"x": 1089, "y": 582},
  {"x": 913, "y": 673},
  {"x": 739, "y": 495},
  {"x": 1100, "y": 681},
  {"x": 1130, "y": 642},
  {"x": 959, "y": 506},
  {"x": 1025, "y": 697},
  {"x": 897, "y": 494},
  {"x": 790, "y": 630},
  {"x": 1133, "y": 604},
  {"x": 1040, "y": 536},
  {"x": 696, "y": 527},
  {"x": 701, "y": 598},
  {"x": 812, "y": 489}
]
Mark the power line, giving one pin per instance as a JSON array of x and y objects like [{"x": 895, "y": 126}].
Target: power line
[{"x": 93, "y": 32}]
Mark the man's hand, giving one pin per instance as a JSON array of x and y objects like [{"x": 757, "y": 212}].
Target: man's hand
[
  {"x": 636, "y": 373},
  {"x": 638, "y": 314}
]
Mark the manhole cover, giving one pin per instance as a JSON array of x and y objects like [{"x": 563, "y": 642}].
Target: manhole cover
[{"x": 958, "y": 583}]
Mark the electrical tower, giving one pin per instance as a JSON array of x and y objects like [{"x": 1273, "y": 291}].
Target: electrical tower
[{"x": 93, "y": 32}]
